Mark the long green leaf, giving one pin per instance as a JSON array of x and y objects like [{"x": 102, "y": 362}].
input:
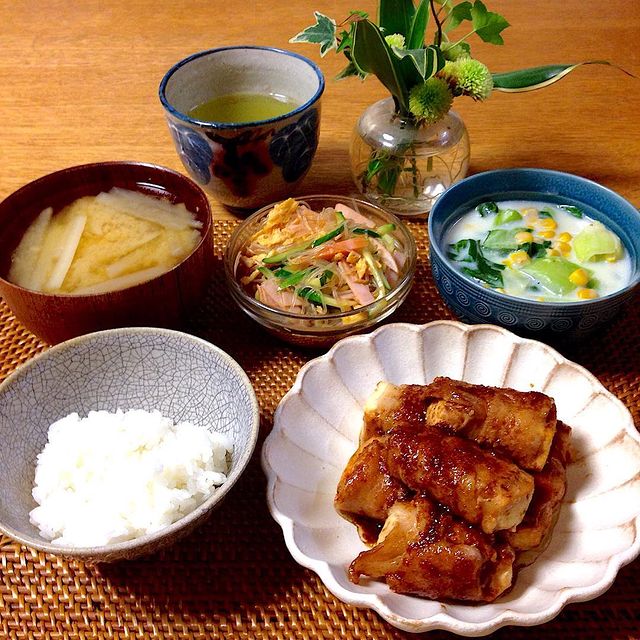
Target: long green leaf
[
  {"x": 427, "y": 61},
  {"x": 538, "y": 77},
  {"x": 371, "y": 54},
  {"x": 395, "y": 16},
  {"x": 415, "y": 37}
]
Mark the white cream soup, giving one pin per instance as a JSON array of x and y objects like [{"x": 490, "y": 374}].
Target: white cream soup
[{"x": 539, "y": 251}]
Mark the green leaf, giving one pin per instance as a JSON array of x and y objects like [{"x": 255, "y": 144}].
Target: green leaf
[
  {"x": 323, "y": 32},
  {"x": 415, "y": 37},
  {"x": 459, "y": 13},
  {"x": 576, "y": 212},
  {"x": 371, "y": 54},
  {"x": 349, "y": 71},
  {"x": 486, "y": 208},
  {"x": 535, "y": 249},
  {"x": 539, "y": 77},
  {"x": 395, "y": 16},
  {"x": 427, "y": 61},
  {"x": 474, "y": 264},
  {"x": 487, "y": 24}
]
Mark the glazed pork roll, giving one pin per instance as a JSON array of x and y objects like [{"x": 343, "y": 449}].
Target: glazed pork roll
[
  {"x": 531, "y": 537},
  {"x": 366, "y": 490},
  {"x": 475, "y": 484},
  {"x": 517, "y": 424},
  {"x": 423, "y": 550}
]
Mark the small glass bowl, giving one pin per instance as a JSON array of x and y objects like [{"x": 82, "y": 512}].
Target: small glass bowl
[{"x": 313, "y": 330}]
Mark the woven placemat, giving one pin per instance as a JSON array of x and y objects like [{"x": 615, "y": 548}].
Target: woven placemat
[{"x": 234, "y": 578}]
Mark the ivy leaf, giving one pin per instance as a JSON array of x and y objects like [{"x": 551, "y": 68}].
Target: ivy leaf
[
  {"x": 427, "y": 61},
  {"x": 323, "y": 32},
  {"x": 539, "y": 77},
  {"x": 396, "y": 16},
  {"x": 487, "y": 24},
  {"x": 458, "y": 14},
  {"x": 371, "y": 54},
  {"x": 415, "y": 37}
]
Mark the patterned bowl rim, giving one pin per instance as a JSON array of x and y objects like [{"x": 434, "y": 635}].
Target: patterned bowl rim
[{"x": 237, "y": 125}]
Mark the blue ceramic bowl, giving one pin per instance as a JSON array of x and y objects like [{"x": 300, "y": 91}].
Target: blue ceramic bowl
[
  {"x": 473, "y": 303},
  {"x": 245, "y": 164}
]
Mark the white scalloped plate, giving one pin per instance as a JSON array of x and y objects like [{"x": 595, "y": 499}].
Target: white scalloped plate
[{"x": 316, "y": 429}]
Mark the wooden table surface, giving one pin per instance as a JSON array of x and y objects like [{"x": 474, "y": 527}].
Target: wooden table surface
[{"x": 80, "y": 84}]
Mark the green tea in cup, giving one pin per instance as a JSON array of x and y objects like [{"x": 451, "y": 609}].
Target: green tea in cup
[{"x": 243, "y": 107}]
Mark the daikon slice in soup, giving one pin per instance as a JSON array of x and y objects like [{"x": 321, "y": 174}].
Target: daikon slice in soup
[{"x": 539, "y": 251}]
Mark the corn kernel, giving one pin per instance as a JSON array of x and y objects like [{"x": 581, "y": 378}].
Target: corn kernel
[
  {"x": 611, "y": 257},
  {"x": 579, "y": 277},
  {"x": 547, "y": 234},
  {"x": 517, "y": 258},
  {"x": 540, "y": 299},
  {"x": 553, "y": 252},
  {"x": 523, "y": 236},
  {"x": 546, "y": 223},
  {"x": 587, "y": 294},
  {"x": 563, "y": 247},
  {"x": 500, "y": 290},
  {"x": 565, "y": 236}
]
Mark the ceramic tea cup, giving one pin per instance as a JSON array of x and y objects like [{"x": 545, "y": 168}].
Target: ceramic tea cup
[{"x": 245, "y": 164}]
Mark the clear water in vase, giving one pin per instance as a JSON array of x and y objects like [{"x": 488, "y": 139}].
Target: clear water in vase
[{"x": 403, "y": 166}]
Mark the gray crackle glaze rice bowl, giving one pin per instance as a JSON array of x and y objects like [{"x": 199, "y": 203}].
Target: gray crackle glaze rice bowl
[
  {"x": 182, "y": 376},
  {"x": 552, "y": 321}
]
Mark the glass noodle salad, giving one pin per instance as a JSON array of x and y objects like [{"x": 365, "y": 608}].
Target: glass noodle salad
[{"x": 320, "y": 262}]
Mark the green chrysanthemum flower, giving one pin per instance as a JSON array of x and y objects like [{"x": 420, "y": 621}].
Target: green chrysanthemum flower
[
  {"x": 431, "y": 100},
  {"x": 452, "y": 51},
  {"x": 395, "y": 40},
  {"x": 468, "y": 77}
]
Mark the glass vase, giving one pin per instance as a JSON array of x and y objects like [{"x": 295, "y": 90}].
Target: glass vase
[{"x": 403, "y": 165}]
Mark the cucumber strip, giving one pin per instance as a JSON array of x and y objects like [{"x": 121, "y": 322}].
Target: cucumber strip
[
  {"x": 327, "y": 236},
  {"x": 278, "y": 258},
  {"x": 312, "y": 295},
  {"x": 378, "y": 276},
  {"x": 366, "y": 232},
  {"x": 386, "y": 228},
  {"x": 293, "y": 278},
  {"x": 266, "y": 272}
]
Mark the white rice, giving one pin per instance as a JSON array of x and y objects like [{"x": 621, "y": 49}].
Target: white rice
[{"x": 111, "y": 477}]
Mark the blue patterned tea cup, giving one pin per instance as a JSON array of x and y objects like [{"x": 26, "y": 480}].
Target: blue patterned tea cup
[
  {"x": 550, "y": 321},
  {"x": 245, "y": 164}
]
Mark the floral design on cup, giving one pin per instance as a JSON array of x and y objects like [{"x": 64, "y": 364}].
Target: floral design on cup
[
  {"x": 241, "y": 160},
  {"x": 292, "y": 147},
  {"x": 194, "y": 151}
]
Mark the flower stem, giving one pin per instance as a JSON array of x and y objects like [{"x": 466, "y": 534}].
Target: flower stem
[{"x": 438, "y": 23}]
